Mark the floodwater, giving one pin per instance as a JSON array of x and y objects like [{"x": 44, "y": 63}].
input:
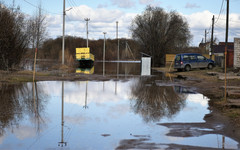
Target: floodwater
[{"x": 145, "y": 112}]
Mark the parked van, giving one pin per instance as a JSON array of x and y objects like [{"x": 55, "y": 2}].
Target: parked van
[{"x": 188, "y": 61}]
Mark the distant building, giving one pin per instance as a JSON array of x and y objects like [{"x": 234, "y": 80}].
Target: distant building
[
  {"x": 219, "y": 50},
  {"x": 236, "y": 63}
]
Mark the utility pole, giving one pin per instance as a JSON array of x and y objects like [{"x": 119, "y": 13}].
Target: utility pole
[
  {"x": 205, "y": 40},
  {"x": 225, "y": 54},
  {"x": 205, "y": 36},
  {"x": 104, "y": 52},
  {"x": 63, "y": 38},
  {"x": 212, "y": 37},
  {"x": 117, "y": 39},
  {"x": 117, "y": 48},
  {"x": 87, "y": 19}
]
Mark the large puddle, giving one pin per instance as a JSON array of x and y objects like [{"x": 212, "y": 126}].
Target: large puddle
[
  {"x": 129, "y": 112},
  {"x": 135, "y": 113}
]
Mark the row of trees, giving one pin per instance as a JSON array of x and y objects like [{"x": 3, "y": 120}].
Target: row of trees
[
  {"x": 154, "y": 32},
  {"x": 52, "y": 48},
  {"x": 17, "y": 33}
]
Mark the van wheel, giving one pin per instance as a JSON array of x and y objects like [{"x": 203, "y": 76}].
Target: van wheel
[
  {"x": 187, "y": 68},
  {"x": 210, "y": 66}
]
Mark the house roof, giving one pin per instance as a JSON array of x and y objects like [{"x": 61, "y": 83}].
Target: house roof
[{"x": 221, "y": 47}]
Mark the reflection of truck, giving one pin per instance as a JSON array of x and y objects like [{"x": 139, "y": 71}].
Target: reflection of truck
[
  {"x": 84, "y": 57},
  {"x": 85, "y": 70}
]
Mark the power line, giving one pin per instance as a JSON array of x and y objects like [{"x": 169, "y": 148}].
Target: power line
[
  {"x": 232, "y": 32},
  {"x": 220, "y": 12},
  {"x": 72, "y": 6},
  {"x": 40, "y": 8}
]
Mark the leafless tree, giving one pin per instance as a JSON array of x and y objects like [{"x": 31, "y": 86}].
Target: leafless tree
[
  {"x": 159, "y": 31},
  {"x": 13, "y": 38},
  {"x": 37, "y": 29}
]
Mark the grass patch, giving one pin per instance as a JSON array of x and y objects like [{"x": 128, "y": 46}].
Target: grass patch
[
  {"x": 20, "y": 79},
  {"x": 28, "y": 72}
]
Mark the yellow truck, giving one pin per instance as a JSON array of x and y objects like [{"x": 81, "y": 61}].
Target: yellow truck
[{"x": 84, "y": 57}]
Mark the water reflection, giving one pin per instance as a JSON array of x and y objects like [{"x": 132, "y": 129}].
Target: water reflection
[
  {"x": 116, "y": 68},
  {"x": 19, "y": 100},
  {"x": 112, "y": 120},
  {"x": 154, "y": 102},
  {"x": 85, "y": 70},
  {"x": 62, "y": 143}
]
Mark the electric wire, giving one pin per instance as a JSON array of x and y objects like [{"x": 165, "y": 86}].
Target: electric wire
[
  {"x": 41, "y": 8},
  {"x": 220, "y": 12}
]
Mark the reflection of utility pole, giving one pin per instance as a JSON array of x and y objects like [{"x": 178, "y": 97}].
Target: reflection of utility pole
[
  {"x": 87, "y": 19},
  {"x": 86, "y": 96},
  {"x": 116, "y": 87},
  {"x": 103, "y": 86},
  {"x": 223, "y": 142},
  {"x": 104, "y": 46},
  {"x": 62, "y": 143}
]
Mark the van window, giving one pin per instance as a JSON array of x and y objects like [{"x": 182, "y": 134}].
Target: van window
[
  {"x": 192, "y": 57},
  {"x": 200, "y": 58},
  {"x": 185, "y": 57}
]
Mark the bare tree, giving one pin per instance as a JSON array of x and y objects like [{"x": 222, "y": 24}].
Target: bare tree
[
  {"x": 13, "y": 38},
  {"x": 37, "y": 29},
  {"x": 158, "y": 31}
]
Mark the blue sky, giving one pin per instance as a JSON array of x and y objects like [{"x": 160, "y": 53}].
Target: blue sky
[{"x": 103, "y": 15}]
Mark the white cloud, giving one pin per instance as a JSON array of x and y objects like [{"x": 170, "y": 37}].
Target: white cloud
[
  {"x": 101, "y": 20},
  {"x": 74, "y": 93},
  {"x": 123, "y": 3},
  {"x": 146, "y": 2},
  {"x": 104, "y": 20},
  {"x": 24, "y": 132},
  {"x": 102, "y": 5},
  {"x": 198, "y": 98},
  {"x": 200, "y": 21},
  {"x": 192, "y": 5}
]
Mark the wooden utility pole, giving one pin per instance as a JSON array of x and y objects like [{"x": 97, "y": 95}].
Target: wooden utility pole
[
  {"x": 205, "y": 36},
  {"x": 205, "y": 40},
  {"x": 225, "y": 54},
  {"x": 212, "y": 37}
]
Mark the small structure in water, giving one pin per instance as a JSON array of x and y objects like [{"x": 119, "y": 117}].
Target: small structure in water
[{"x": 84, "y": 57}]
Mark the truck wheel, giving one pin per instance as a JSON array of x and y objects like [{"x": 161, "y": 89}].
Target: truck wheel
[{"x": 187, "y": 68}]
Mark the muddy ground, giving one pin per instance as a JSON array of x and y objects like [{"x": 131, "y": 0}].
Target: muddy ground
[{"x": 207, "y": 82}]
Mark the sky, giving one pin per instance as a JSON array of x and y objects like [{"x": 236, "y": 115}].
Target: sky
[{"x": 103, "y": 15}]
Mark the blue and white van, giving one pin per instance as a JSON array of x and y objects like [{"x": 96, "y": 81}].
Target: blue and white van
[{"x": 188, "y": 61}]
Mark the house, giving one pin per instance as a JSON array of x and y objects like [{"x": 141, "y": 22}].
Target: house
[{"x": 219, "y": 50}]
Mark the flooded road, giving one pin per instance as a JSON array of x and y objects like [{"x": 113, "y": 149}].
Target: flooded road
[{"x": 131, "y": 113}]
